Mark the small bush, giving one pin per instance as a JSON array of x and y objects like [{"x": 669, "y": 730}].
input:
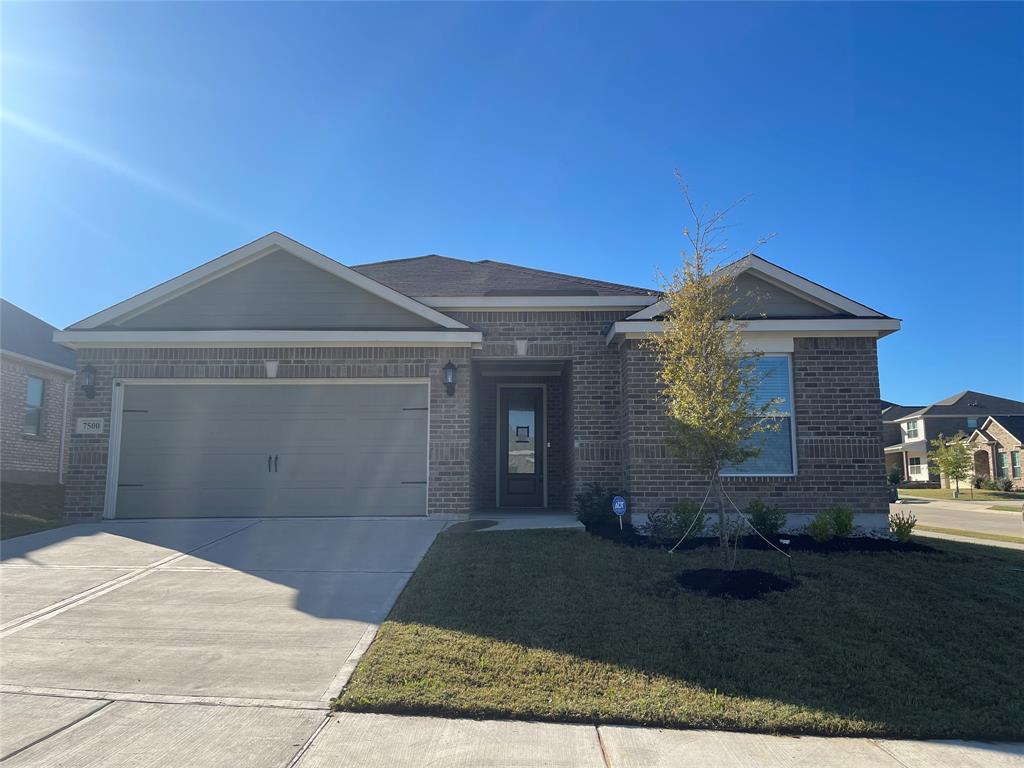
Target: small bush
[
  {"x": 766, "y": 518},
  {"x": 842, "y": 520},
  {"x": 830, "y": 523},
  {"x": 895, "y": 476},
  {"x": 593, "y": 504},
  {"x": 821, "y": 528},
  {"x": 673, "y": 523},
  {"x": 1005, "y": 484},
  {"x": 980, "y": 481},
  {"x": 902, "y": 524}
]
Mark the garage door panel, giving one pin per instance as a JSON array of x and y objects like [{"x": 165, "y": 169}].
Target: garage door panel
[{"x": 342, "y": 449}]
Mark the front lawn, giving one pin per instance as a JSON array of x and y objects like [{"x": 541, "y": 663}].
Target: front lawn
[
  {"x": 561, "y": 625},
  {"x": 980, "y": 494},
  {"x": 30, "y": 508}
]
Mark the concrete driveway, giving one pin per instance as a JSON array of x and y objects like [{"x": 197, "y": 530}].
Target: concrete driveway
[{"x": 232, "y": 634}]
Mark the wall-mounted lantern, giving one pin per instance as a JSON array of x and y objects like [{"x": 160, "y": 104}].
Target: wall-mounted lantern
[
  {"x": 88, "y": 379},
  {"x": 449, "y": 378}
]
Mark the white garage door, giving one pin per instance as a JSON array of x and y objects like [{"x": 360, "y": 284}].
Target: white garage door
[{"x": 219, "y": 450}]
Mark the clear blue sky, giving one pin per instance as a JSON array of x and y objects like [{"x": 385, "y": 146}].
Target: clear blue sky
[{"x": 884, "y": 143}]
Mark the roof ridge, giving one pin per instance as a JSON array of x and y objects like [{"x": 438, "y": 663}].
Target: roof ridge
[
  {"x": 413, "y": 258},
  {"x": 564, "y": 276}
]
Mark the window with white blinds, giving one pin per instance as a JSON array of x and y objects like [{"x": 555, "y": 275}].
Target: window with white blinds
[{"x": 777, "y": 448}]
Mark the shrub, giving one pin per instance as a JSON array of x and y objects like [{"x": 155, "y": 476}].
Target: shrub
[
  {"x": 842, "y": 520},
  {"x": 830, "y": 523},
  {"x": 895, "y": 476},
  {"x": 1005, "y": 484},
  {"x": 902, "y": 524},
  {"x": 766, "y": 518},
  {"x": 594, "y": 504},
  {"x": 821, "y": 528},
  {"x": 673, "y": 523},
  {"x": 980, "y": 481}
]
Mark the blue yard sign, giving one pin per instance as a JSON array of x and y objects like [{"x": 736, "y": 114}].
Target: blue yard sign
[{"x": 619, "y": 508}]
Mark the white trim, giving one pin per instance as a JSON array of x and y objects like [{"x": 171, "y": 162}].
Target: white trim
[
  {"x": 448, "y": 338},
  {"x": 42, "y": 364},
  {"x": 853, "y": 326},
  {"x": 784, "y": 279},
  {"x": 498, "y": 447},
  {"x": 117, "y": 409},
  {"x": 792, "y": 432},
  {"x": 551, "y": 303},
  {"x": 245, "y": 255}
]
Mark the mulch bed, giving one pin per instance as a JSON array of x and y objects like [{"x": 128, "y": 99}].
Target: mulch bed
[
  {"x": 631, "y": 537},
  {"x": 744, "y": 584}
]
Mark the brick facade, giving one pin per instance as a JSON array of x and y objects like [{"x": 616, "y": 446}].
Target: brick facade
[
  {"x": 448, "y": 480},
  {"x": 838, "y": 434},
  {"x": 1005, "y": 443},
  {"x": 605, "y": 422},
  {"x": 25, "y": 458}
]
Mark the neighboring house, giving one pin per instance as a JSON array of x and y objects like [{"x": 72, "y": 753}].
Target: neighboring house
[
  {"x": 34, "y": 377},
  {"x": 997, "y": 448},
  {"x": 276, "y": 381},
  {"x": 908, "y": 430}
]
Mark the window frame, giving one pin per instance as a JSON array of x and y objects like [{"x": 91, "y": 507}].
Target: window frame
[
  {"x": 790, "y": 414},
  {"x": 29, "y": 407},
  {"x": 917, "y": 432},
  {"x": 1015, "y": 470},
  {"x": 1002, "y": 464},
  {"x": 919, "y": 465}
]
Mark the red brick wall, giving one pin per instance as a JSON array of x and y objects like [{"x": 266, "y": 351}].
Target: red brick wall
[
  {"x": 29, "y": 458},
  {"x": 838, "y": 434}
]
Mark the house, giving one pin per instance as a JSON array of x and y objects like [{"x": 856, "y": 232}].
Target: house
[
  {"x": 34, "y": 377},
  {"x": 276, "y": 381},
  {"x": 908, "y": 430},
  {"x": 997, "y": 446}
]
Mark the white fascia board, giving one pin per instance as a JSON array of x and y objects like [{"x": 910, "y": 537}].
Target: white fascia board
[
  {"x": 784, "y": 279},
  {"x": 568, "y": 303},
  {"x": 246, "y": 255},
  {"x": 60, "y": 370},
  {"x": 87, "y": 339},
  {"x": 853, "y": 326}
]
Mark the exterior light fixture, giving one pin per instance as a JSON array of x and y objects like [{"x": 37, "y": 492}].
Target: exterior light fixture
[
  {"x": 449, "y": 378},
  {"x": 88, "y": 379}
]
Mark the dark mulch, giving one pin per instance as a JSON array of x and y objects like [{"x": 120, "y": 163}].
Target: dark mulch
[
  {"x": 740, "y": 584},
  {"x": 631, "y": 537}
]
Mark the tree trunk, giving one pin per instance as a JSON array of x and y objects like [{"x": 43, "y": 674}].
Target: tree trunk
[{"x": 723, "y": 527}]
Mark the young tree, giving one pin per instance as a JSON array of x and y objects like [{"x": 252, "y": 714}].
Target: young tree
[
  {"x": 952, "y": 457},
  {"x": 709, "y": 378}
]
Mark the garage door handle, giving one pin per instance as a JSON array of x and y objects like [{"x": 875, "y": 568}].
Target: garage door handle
[
  {"x": 275, "y": 462},
  {"x": 268, "y": 462}
]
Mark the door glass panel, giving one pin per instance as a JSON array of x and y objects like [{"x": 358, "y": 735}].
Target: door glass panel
[{"x": 522, "y": 433}]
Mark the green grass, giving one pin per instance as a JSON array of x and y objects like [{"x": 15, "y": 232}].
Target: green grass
[
  {"x": 1005, "y": 507},
  {"x": 560, "y": 625},
  {"x": 980, "y": 494},
  {"x": 30, "y": 508},
  {"x": 971, "y": 534}
]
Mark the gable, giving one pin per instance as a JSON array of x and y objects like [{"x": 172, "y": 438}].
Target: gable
[
  {"x": 756, "y": 297},
  {"x": 277, "y": 291}
]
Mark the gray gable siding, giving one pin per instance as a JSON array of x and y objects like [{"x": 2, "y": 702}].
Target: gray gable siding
[
  {"x": 758, "y": 297},
  {"x": 276, "y": 292}
]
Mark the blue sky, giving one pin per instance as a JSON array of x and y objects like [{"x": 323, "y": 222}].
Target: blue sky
[{"x": 883, "y": 143}]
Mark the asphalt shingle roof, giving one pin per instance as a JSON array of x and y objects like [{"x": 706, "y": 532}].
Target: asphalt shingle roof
[
  {"x": 25, "y": 334},
  {"x": 1012, "y": 424},
  {"x": 969, "y": 403},
  {"x": 444, "y": 276}
]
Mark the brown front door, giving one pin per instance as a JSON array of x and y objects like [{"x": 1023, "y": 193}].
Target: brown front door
[{"x": 521, "y": 447}]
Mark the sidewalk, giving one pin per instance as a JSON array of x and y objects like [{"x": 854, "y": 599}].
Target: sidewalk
[
  {"x": 963, "y": 504},
  {"x": 389, "y": 741}
]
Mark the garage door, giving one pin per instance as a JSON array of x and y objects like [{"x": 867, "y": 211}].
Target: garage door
[{"x": 203, "y": 450}]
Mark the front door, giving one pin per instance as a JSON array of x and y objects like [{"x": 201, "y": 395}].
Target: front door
[{"x": 521, "y": 447}]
